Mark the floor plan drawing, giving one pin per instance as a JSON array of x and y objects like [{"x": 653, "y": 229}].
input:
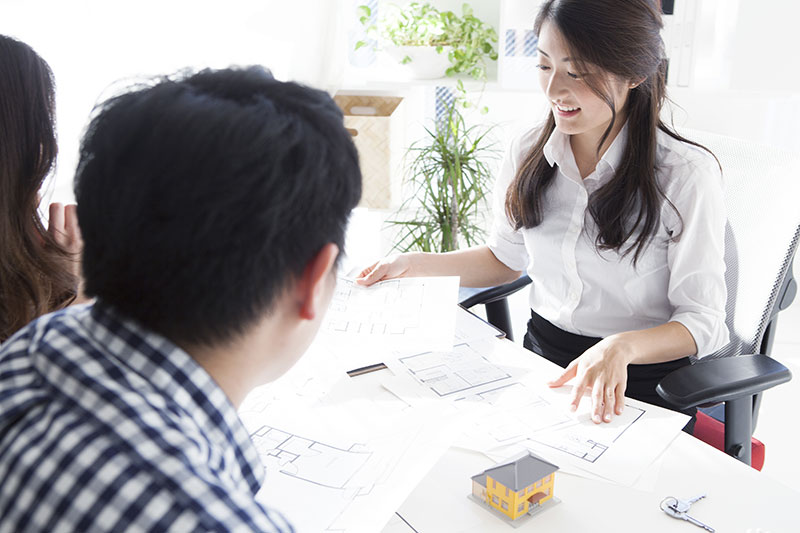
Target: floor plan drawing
[
  {"x": 398, "y": 314},
  {"x": 310, "y": 460},
  {"x": 592, "y": 444},
  {"x": 458, "y": 371},
  {"x": 390, "y": 308}
]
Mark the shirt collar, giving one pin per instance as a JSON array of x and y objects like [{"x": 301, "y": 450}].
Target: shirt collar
[
  {"x": 182, "y": 381},
  {"x": 558, "y": 151}
]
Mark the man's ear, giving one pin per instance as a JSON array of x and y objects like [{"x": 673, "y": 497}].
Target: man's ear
[{"x": 312, "y": 285}]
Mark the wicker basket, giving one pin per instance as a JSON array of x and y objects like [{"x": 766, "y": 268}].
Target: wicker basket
[{"x": 375, "y": 123}]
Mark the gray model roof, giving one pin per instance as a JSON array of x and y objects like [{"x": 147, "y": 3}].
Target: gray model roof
[{"x": 518, "y": 472}]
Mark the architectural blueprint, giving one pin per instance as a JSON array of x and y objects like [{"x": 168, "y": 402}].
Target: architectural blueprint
[
  {"x": 526, "y": 414},
  {"x": 461, "y": 371},
  {"x": 399, "y": 314},
  {"x": 337, "y": 468}
]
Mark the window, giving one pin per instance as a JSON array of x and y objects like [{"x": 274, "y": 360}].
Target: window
[
  {"x": 538, "y": 483},
  {"x": 495, "y": 500},
  {"x": 521, "y": 507},
  {"x": 504, "y": 505},
  {"x": 506, "y": 492},
  {"x": 494, "y": 484},
  {"x": 549, "y": 478}
]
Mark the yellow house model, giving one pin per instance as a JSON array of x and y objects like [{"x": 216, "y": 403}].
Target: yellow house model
[{"x": 516, "y": 486}]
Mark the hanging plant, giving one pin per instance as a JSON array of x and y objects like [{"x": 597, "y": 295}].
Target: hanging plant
[{"x": 467, "y": 42}]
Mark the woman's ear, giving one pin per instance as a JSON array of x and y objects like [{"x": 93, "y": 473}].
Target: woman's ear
[
  {"x": 315, "y": 287},
  {"x": 635, "y": 83}
]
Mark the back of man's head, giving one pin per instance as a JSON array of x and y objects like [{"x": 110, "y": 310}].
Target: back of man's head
[{"x": 201, "y": 198}]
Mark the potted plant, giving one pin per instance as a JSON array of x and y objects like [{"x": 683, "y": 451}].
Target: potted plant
[
  {"x": 435, "y": 43},
  {"x": 450, "y": 176}
]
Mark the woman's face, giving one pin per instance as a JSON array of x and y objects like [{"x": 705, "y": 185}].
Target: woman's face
[{"x": 576, "y": 108}]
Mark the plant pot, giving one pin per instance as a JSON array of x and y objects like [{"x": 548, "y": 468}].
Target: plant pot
[{"x": 426, "y": 63}]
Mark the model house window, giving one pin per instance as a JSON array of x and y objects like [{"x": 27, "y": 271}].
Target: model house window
[
  {"x": 495, "y": 500},
  {"x": 506, "y": 492},
  {"x": 504, "y": 505},
  {"x": 521, "y": 507}
]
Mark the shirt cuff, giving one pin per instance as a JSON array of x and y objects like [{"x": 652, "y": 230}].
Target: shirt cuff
[{"x": 512, "y": 254}]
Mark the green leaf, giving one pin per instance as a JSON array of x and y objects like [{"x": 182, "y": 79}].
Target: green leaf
[
  {"x": 406, "y": 60},
  {"x": 364, "y": 11},
  {"x": 360, "y": 44}
]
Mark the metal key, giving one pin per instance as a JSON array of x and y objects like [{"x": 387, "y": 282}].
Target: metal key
[
  {"x": 682, "y": 506},
  {"x": 672, "y": 506}
]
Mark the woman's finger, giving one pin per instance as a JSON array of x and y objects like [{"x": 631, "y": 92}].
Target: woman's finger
[
  {"x": 373, "y": 274},
  {"x": 570, "y": 372},
  {"x": 620, "y": 398},
  {"x": 72, "y": 230},
  {"x": 598, "y": 401},
  {"x": 610, "y": 402},
  {"x": 366, "y": 272},
  {"x": 55, "y": 225}
]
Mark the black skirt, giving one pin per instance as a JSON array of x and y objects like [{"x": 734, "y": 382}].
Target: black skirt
[{"x": 562, "y": 347}]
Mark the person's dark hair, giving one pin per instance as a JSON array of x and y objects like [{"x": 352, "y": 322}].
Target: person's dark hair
[
  {"x": 33, "y": 278},
  {"x": 621, "y": 38},
  {"x": 202, "y": 196}
]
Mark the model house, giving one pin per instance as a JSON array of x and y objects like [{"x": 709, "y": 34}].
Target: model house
[{"x": 516, "y": 486}]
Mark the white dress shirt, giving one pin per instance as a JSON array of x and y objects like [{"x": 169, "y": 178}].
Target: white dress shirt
[{"x": 597, "y": 293}]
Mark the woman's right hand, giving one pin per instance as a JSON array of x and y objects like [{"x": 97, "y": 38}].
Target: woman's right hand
[
  {"x": 390, "y": 267},
  {"x": 63, "y": 227}
]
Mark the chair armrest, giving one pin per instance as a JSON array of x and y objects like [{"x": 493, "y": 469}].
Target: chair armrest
[
  {"x": 721, "y": 380},
  {"x": 493, "y": 294}
]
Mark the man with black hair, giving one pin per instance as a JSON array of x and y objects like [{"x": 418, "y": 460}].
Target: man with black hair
[{"x": 213, "y": 209}]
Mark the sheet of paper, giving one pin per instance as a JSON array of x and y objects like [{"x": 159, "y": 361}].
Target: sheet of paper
[
  {"x": 470, "y": 327},
  {"x": 526, "y": 414},
  {"x": 621, "y": 451},
  {"x": 404, "y": 315},
  {"x": 350, "y": 459},
  {"x": 463, "y": 374}
]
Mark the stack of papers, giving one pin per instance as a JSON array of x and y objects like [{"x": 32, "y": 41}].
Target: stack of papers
[{"x": 357, "y": 447}]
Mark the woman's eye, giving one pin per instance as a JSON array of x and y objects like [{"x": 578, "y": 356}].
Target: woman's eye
[
  {"x": 542, "y": 67},
  {"x": 573, "y": 75}
]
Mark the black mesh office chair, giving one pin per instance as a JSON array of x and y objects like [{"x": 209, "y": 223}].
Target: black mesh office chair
[{"x": 763, "y": 202}]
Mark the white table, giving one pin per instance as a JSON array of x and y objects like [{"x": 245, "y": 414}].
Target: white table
[{"x": 740, "y": 499}]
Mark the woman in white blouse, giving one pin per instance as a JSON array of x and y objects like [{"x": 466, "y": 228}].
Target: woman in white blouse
[{"x": 618, "y": 220}]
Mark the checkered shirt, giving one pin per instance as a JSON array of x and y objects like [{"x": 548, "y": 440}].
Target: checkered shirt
[{"x": 105, "y": 426}]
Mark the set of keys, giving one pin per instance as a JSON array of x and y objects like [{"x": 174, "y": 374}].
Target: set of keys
[{"x": 678, "y": 508}]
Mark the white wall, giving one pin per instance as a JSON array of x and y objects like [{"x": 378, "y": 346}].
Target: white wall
[
  {"x": 746, "y": 75},
  {"x": 92, "y": 44}
]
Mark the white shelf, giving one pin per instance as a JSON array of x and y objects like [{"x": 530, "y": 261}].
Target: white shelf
[{"x": 386, "y": 75}]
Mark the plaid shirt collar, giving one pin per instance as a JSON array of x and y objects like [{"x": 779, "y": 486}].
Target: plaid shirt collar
[{"x": 183, "y": 384}]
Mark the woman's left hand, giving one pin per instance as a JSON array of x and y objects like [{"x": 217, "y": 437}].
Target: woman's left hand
[{"x": 602, "y": 370}]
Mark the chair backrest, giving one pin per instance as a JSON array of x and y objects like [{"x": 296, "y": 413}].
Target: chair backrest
[{"x": 762, "y": 192}]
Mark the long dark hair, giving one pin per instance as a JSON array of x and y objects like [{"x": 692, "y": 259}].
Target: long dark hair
[
  {"x": 33, "y": 278},
  {"x": 621, "y": 38}
]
